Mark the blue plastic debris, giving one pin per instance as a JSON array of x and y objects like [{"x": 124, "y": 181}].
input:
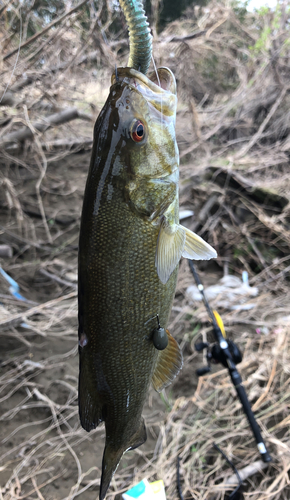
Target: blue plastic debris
[
  {"x": 14, "y": 287},
  {"x": 146, "y": 491}
]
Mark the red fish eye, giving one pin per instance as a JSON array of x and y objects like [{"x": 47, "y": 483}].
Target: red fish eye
[{"x": 138, "y": 131}]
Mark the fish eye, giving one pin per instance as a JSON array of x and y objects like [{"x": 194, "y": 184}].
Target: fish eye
[{"x": 137, "y": 131}]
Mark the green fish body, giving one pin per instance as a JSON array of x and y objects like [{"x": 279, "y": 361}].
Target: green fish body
[{"x": 129, "y": 249}]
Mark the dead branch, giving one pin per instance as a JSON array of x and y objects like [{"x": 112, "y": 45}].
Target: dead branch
[
  {"x": 6, "y": 251},
  {"x": 68, "y": 144},
  {"x": 173, "y": 38},
  {"x": 19, "y": 317},
  {"x": 246, "y": 472},
  {"x": 7, "y": 99},
  {"x": 47, "y": 28},
  {"x": 29, "y": 78},
  {"x": 50, "y": 121},
  {"x": 90, "y": 57},
  {"x": 256, "y": 137},
  {"x": 56, "y": 278},
  {"x": 5, "y": 7}
]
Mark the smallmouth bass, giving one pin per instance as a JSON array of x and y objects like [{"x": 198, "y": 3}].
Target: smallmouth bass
[{"x": 130, "y": 246}]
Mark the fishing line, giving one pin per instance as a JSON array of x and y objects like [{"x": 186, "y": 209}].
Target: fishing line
[
  {"x": 158, "y": 80},
  {"x": 232, "y": 496},
  {"x": 234, "y": 493},
  {"x": 18, "y": 52},
  {"x": 156, "y": 72}
]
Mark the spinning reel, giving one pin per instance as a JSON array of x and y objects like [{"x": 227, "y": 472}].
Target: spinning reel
[{"x": 216, "y": 353}]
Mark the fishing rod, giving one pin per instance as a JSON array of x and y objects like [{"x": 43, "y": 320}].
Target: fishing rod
[{"x": 228, "y": 354}]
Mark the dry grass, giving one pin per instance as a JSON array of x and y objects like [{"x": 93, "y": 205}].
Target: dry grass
[
  {"x": 233, "y": 131},
  {"x": 189, "y": 429}
]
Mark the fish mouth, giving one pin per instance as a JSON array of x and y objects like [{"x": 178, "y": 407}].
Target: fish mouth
[
  {"x": 161, "y": 81},
  {"x": 159, "y": 88}
]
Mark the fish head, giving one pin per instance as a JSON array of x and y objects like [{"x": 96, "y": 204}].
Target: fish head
[{"x": 146, "y": 113}]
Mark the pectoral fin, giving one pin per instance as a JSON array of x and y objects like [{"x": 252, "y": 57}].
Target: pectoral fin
[
  {"x": 196, "y": 248},
  {"x": 175, "y": 242},
  {"x": 169, "y": 363},
  {"x": 170, "y": 245}
]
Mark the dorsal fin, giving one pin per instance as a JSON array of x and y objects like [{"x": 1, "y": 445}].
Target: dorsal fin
[{"x": 169, "y": 363}]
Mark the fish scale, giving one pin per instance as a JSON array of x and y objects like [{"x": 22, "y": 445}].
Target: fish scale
[{"x": 124, "y": 294}]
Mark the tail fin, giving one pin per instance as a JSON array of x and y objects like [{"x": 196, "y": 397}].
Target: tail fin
[{"x": 111, "y": 457}]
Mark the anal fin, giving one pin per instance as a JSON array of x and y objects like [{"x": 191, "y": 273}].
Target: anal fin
[
  {"x": 169, "y": 363},
  {"x": 139, "y": 437}
]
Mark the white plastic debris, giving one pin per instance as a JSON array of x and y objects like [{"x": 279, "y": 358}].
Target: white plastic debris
[
  {"x": 146, "y": 491},
  {"x": 71, "y": 276},
  {"x": 183, "y": 214},
  {"x": 230, "y": 292},
  {"x": 33, "y": 364}
]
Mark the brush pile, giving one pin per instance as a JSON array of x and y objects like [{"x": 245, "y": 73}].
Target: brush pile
[{"x": 233, "y": 130}]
